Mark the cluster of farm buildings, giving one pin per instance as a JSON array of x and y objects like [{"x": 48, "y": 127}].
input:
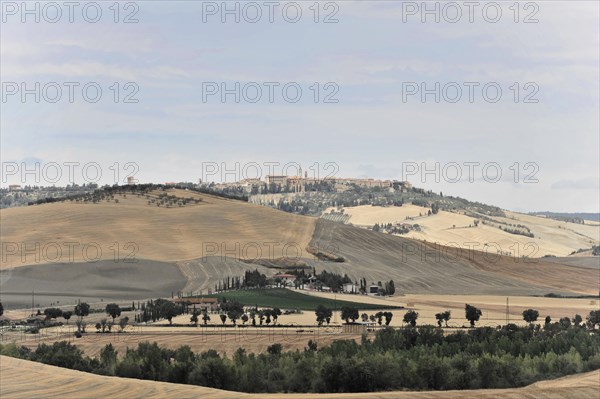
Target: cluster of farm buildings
[{"x": 289, "y": 280}]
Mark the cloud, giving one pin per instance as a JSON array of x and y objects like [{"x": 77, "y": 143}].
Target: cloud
[{"x": 590, "y": 183}]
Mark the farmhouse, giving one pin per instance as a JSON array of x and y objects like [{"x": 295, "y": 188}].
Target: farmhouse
[
  {"x": 202, "y": 304},
  {"x": 286, "y": 279},
  {"x": 350, "y": 288}
]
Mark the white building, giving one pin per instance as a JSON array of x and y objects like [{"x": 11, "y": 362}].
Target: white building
[{"x": 350, "y": 288}]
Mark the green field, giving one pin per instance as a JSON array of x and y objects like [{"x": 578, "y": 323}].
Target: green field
[{"x": 287, "y": 299}]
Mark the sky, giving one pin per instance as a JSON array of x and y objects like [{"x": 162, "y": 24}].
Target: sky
[{"x": 498, "y": 103}]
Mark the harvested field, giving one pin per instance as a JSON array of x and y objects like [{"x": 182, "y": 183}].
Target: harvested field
[
  {"x": 90, "y": 282},
  {"x": 420, "y": 268},
  {"x": 225, "y": 340},
  {"x": 25, "y": 379},
  {"x": 551, "y": 237},
  {"x": 493, "y": 307},
  {"x": 212, "y": 227},
  {"x": 592, "y": 262}
]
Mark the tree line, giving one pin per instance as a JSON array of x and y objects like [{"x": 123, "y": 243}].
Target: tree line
[{"x": 415, "y": 358}]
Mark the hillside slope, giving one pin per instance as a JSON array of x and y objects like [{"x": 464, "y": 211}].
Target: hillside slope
[
  {"x": 551, "y": 237},
  {"x": 25, "y": 379},
  {"x": 418, "y": 267},
  {"x": 212, "y": 227},
  {"x": 193, "y": 246}
]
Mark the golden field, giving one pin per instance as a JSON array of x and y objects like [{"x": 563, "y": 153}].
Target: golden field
[
  {"x": 24, "y": 380},
  {"x": 552, "y": 237},
  {"x": 212, "y": 227}
]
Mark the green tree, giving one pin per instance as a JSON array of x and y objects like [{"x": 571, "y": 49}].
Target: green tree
[
  {"x": 442, "y": 317},
  {"x": 53, "y": 313},
  {"x": 275, "y": 313},
  {"x": 168, "y": 310},
  {"x": 205, "y": 318},
  {"x": 447, "y": 316},
  {"x": 390, "y": 288},
  {"x": 123, "y": 323},
  {"x": 223, "y": 318},
  {"x": 1, "y": 309},
  {"x": 577, "y": 320},
  {"x": 108, "y": 359},
  {"x": 194, "y": 318},
  {"x": 274, "y": 349},
  {"x": 67, "y": 315},
  {"x": 530, "y": 315},
  {"x": 388, "y": 317},
  {"x": 411, "y": 317},
  {"x": 323, "y": 313},
  {"x": 472, "y": 314},
  {"x": 312, "y": 346},
  {"x": 349, "y": 313},
  {"x": 113, "y": 310},
  {"x": 244, "y": 318},
  {"x": 593, "y": 318},
  {"x": 103, "y": 322},
  {"x": 565, "y": 322},
  {"x": 234, "y": 315},
  {"x": 82, "y": 309},
  {"x": 439, "y": 317}
]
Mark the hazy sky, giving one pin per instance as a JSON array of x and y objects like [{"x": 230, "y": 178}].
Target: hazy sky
[{"x": 360, "y": 107}]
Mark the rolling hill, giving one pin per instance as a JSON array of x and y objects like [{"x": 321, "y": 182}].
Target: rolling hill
[
  {"x": 212, "y": 227},
  {"x": 192, "y": 244},
  {"x": 550, "y": 237}
]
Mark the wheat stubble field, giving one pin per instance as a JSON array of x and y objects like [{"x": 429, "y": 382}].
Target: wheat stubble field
[
  {"x": 190, "y": 248},
  {"x": 551, "y": 237},
  {"x": 161, "y": 234},
  {"x": 24, "y": 380}
]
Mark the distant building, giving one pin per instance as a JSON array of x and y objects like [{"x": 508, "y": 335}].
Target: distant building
[
  {"x": 374, "y": 289},
  {"x": 358, "y": 327},
  {"x": 285, "y": 278},
  {"x": 14, "y": 187},
  {"x": 201, "y": 304},
  {"x": 350, "y": 288},
  {"x": 274, "y": 179}
]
